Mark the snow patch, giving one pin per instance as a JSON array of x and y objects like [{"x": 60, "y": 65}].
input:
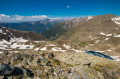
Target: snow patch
[
  {"x": 117, "y": 28},
  {"x": 116, "y": 20},
  {"x": 116, "y": 58},
  {"x": 108, "y": 34},
  {"x": 43, "y": 49},
  {"x": 15, "y": 45},
  {"x": 106, "y": 38},
  {"x": 66, "y": 46},
  {"x": 38, "y": 41},
  {"x": 105, "y": 34},
  {"x": 18, "y": 40},
  {"x": 36, "y": 49},
  {"x": 109, "y": 50},
  {"x": 1, "y": 31},
  {"x": 51, "y": 45},
  {"x": 97, "y": 41},
  {"x": 77, "y": 50},
  {"x": 4, "y": 42},
  {"x": 102, "y": 33},
  {"x": 1, "y": 52},
  {"x": 13, "y": 51},
  {"x": 117, "y": 36},
  {"x": 58, "y": 49},
  {"x": 90, "y": 17}
]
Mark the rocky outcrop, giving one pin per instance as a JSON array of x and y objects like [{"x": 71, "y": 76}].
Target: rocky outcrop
[
  {"x": 66, "y": 65},
  {"x": 8, "y": 70},
  {"x": 85, "y": 66}
]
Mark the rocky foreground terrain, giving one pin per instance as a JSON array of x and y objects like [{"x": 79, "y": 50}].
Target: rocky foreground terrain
[
  {"x": 50, "y": 60},
  {"x": 28, "y": 55}
]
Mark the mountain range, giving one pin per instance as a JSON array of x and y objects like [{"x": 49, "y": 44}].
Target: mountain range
[
  {"x": 36, "y": 26},
  {"x": 82, "y": 48}
]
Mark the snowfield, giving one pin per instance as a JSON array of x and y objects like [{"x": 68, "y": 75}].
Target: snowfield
[{"x": 15, "y": 43}]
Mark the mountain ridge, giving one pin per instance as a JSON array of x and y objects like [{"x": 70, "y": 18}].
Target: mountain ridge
[
  {"x": 60, "y": 28},
  {"x": 36, "y": 26}
]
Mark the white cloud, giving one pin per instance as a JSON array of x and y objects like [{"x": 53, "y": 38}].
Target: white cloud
[
  {"x": 68, "y": 6},
  {"x": 18, "y": 18}
]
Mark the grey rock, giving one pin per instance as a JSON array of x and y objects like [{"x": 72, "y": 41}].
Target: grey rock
[
  {"x": 48, "y": 63},
  {"x": 28, "y": 72},
  {"x": 6, "y": 69},
  {"x": 51, "y": 70},
  {"x": 51, "y": 55}
]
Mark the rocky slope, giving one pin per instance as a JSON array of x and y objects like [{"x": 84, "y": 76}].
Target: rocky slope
[
  {"x": 100, "y": 34},
  {"x": 7, "y": 34},
  {"x": 50, "y": 64},
  {"x": 13, "y": 39}
]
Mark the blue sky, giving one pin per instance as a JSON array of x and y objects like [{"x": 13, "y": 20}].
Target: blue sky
[{"x": 59, "y": 8}]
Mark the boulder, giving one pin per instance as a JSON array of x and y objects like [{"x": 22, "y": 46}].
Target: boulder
[
  {"x": 43, "y": 62},
  {"x": 51, "y": 55},
  {"x": 28, "y": 72},
  {"x": 6, "y": 69}
]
